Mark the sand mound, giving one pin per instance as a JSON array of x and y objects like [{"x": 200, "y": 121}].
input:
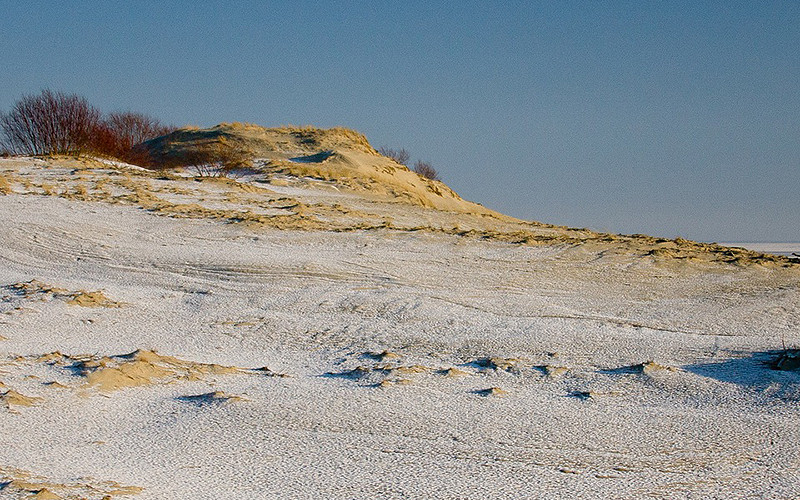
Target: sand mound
[
  {"x": 91, "y": 299},
  {"x": 553, "y": 371},
  {"x": 261, "y": 141},
  {"x": 37, "y": 290},
  {"x": 138, "y": 368},
  {"x": 492, "y": 392},
  {"x": 401, "y": 369},
  {"x": 650, "y": 367},
  {"x": 453, "y": 372},
  {"x": 13, "y": 398},
  {"x": 338, "y": 155},
  {"x": 16, "y": 483},
  {"x": 357, "y": 373},
  {"x": 268, "y": 372},
  {"x": 390, "y": 373},
  {"x": 646, "y": 368},
  {"x": 498, "y": 363},
  {"x": 45, "y": 494},
  {"x": 143, "y": 368}
]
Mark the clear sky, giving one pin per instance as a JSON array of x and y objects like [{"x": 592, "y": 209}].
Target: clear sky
[{"x": 668, "y": 118}]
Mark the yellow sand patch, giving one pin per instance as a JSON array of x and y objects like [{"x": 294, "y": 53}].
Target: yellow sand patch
[
  {"x": 410, "y": 369},
  {"x": 47, "y": 189},
  {"x": 13, "y": 398},
  {"x": 36, "y": 289},
  {"x": 45, "y": 494},
  {"x": 5, "y": 184},
  {"x": 138, "y": 368},
  {"x": 91, "y": 299},
  {"x": 453, "y": 372},
  {"x": 23, "y": 484},
  {"x": 555, "y": 371},
  {"x": 497, "y": 363}
]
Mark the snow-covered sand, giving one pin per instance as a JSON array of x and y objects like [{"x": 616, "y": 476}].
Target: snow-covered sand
[{"x": 401, "y": 363}]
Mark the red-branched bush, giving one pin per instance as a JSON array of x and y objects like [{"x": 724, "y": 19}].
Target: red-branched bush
[
  {"x": 58, "y": 123},
  {"x": 49, "y": 123},
  {"x": 118, "y": 133}
]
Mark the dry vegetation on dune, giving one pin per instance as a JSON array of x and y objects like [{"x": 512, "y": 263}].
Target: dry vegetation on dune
[
  {"x": 403, "y": 157},
  {"x": 370, "y": 203}
]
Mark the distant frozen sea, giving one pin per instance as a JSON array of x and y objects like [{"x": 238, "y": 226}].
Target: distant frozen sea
[{"x": 767, "y": 247}]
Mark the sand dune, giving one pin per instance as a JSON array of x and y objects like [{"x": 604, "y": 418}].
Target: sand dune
[{"x": 326, "y": 327}]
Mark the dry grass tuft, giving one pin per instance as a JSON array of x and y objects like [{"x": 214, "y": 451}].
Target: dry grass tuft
[{"x": 5, "y": 185}]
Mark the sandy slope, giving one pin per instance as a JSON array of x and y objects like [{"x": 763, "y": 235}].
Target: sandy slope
[{"x": 384, "y": 327}]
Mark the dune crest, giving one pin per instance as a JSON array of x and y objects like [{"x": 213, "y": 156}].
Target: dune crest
[{"x": 338, "y": 155}]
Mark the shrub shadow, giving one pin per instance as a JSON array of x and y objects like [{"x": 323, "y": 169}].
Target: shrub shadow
[{"x": 751, "y": 369}]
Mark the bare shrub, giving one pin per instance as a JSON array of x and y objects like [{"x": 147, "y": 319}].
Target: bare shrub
[
  {"x": 49, "y": 123},
  {"x": 401, "y": 156},
  {"x": 118, "y": 133},
  {"x": 217, "y": 159},
  {"x": 425, "y": 169}
]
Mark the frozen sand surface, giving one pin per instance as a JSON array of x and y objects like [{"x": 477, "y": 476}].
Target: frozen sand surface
[{"x": 564, "y": 331}]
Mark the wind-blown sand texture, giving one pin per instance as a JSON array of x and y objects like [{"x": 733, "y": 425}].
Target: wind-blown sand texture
[{"x": 305, "y": 332}]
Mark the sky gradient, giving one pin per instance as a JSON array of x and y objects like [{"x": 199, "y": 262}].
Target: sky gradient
[{"x": 666, "y": 118}]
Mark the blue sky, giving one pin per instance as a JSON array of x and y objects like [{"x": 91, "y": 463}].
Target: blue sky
[{"x": 666, "y": 118}]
